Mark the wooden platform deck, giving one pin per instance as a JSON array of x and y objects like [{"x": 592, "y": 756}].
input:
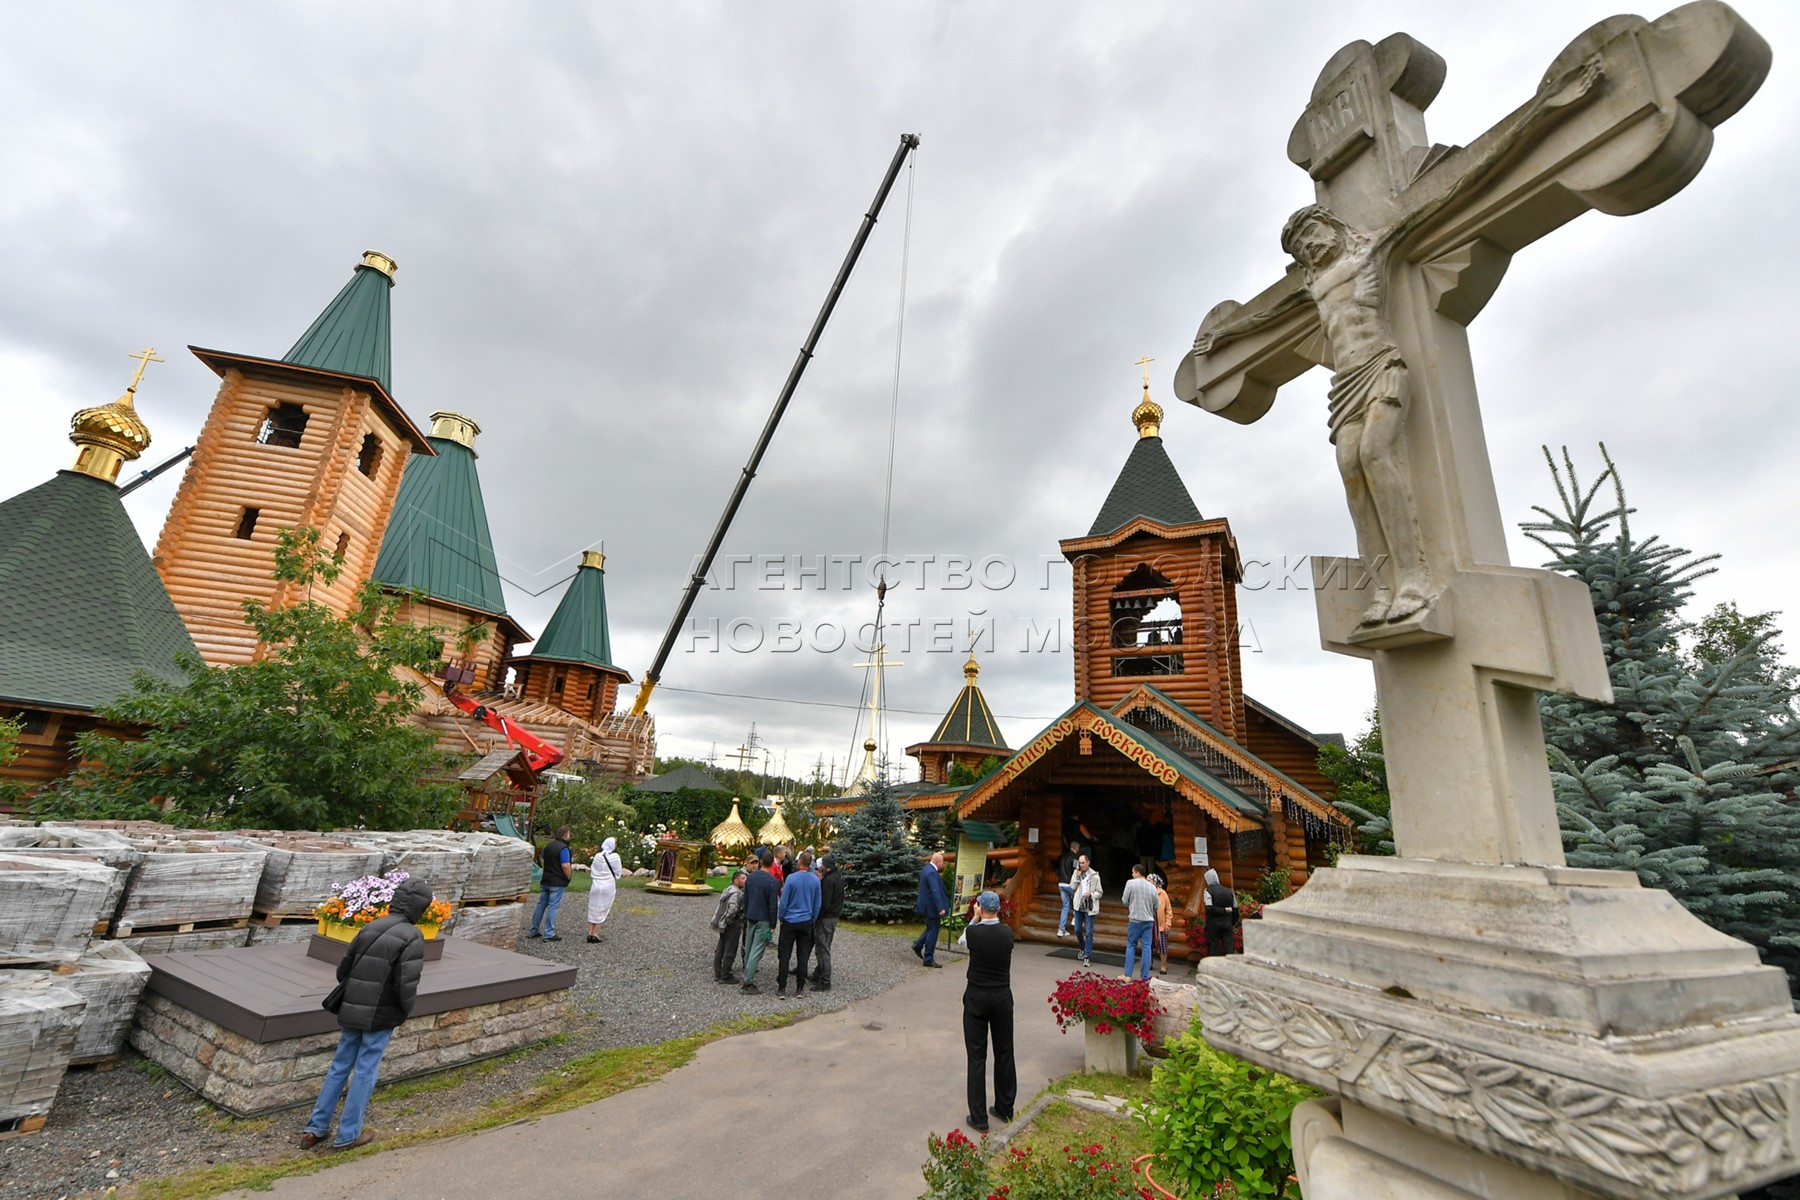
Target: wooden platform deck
[{"x": 271, "y": 992}]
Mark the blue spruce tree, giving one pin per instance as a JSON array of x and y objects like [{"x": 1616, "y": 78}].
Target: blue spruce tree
[
  {"x": 1688, "y": 776},
  {"x": 880, "y": 863}
]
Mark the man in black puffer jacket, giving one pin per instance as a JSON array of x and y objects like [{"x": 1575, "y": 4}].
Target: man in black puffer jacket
[{"x": 380, "y": 977}]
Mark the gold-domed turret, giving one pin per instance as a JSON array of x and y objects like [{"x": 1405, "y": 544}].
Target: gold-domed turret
[
  {"x": 111, "y": 435},
  {"x": 971, "y": 670},
  {"x": 1148, "y": 415},
  {"x": 731, "y": 833},
  {"x": 453, "y": 426},
  {"x": 776, "y": 832}
]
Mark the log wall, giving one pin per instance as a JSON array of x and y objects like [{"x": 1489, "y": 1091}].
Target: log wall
[
  {"x": 52, "y": 754},
  {"x": 1203, "y": 569},
  {"x": 208, "y": 570},
  {"x": 1286, "y": 751},
  {"x": 536, "y": 680}
]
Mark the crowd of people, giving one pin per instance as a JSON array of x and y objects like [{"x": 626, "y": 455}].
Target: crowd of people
[
  {"x": 794, "y": 900},
  {"x": 1149, "y": 913}
]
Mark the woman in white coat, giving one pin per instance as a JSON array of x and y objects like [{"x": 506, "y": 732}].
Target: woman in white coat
[{"x": 605, "y": 873}]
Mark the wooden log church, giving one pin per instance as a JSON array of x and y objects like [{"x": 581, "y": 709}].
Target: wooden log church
[{"x": 1162, "y": 759}]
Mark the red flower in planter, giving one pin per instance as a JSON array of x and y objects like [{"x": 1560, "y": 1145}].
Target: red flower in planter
[{"x": 1108, "y": 1004}]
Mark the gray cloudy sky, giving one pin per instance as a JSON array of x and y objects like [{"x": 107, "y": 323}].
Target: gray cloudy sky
[{"x": 614, "y": 224}]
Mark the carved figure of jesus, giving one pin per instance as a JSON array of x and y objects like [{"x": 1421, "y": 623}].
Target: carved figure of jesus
[{"x": 1345, "y": 271}]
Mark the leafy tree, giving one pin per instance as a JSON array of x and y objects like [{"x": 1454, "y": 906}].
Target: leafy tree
[
  {"x": 962, "y": 775},
  {"x": 314, "y": 734},
  {"x": 1360, "y": 773},
  {"x": 880, "y": 864},
  {"x": 10, "y": 729},
  {"x": 690, "y": 812},
  {"x": 593, "y": 810},
  {"x": 1687, "y": 777}
]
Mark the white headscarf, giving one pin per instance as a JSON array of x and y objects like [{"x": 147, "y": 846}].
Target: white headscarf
[
  {"x": 611, "y": 844},
  {"x": 1212, "y": 876}
]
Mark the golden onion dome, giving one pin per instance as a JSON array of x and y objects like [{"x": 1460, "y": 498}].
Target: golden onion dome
[
  {"x": 776, "y": 831},
  {"x": 732, "y": 833},
  {"x": 1147, "y": 416}
]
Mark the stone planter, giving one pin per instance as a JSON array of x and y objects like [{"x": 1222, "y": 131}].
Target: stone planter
[{"x": 1114, "y": 1052}]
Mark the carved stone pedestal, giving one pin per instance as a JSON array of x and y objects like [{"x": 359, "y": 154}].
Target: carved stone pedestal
[{"x": 1570, "y": 1022}]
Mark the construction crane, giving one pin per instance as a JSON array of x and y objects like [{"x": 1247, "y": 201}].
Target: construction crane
[
  {"x": 908, "y": 143},
  {"x": 539, "y": 754}
]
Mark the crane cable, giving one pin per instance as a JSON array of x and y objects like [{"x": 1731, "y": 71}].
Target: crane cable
[{"x": 873, "y": 679}]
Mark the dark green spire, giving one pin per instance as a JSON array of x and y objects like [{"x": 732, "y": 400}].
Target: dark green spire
[
  {"x": 437, "y": 541},
  {"x": 351, "y": 337},
  {"x": 1149, "y": 486},
  {"x": 81, "y": 607},
  {"x": 577, "y": 632},
  {"x": 969, "y": 722}
]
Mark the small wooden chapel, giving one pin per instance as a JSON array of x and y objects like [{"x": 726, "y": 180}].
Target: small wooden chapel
[{"x": 1162, "y": 758}]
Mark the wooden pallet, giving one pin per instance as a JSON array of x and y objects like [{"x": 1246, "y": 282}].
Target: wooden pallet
[
  {"x": 19, "y": 1126},
  {"x": 496, "y": 901},
  {"x": 123, "y": 930},
  {"x": 104, "y": 1063},
  {"x": 102, "y": 928}
]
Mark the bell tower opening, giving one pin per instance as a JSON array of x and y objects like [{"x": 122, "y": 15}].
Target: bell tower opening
[{"x": 1146, "y": 625}]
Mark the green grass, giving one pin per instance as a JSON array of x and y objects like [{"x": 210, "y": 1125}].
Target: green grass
[
  {"x": 1060, "y": 1124},
  {"x": 905, "y": 929},
  {"x": 1135, "y": 1088},
  {"x": 583, "y": 1080}
]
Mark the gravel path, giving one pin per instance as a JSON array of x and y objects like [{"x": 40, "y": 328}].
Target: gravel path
[{"x": 650, "y": 980}]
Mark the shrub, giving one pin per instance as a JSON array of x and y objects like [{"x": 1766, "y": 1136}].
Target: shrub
[
  {"x": 1213, "y": 1118},
  {"x": 957, "y": 1168}
]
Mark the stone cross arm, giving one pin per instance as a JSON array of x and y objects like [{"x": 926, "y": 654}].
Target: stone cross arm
[{"x": 1643, "y": 132}]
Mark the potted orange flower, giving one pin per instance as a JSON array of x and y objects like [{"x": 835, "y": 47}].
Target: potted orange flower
[{"x": 355, "y": 904}]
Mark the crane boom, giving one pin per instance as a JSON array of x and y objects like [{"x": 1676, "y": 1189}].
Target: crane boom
[{"x": 908, "y": 143}]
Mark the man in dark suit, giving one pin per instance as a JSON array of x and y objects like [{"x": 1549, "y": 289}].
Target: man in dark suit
[{"x": 933, "y": 904}]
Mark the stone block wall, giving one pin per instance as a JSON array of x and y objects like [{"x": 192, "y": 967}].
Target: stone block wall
[{"x": 247, "y": 1078}]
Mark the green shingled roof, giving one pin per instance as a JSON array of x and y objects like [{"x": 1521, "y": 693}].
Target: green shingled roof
[
  {"x": 437, "y": 541},
  {"x": 1149, "y": 486},
  {"x": 969, "y": 722},
  {"x": 684, "y": 776},
  {"x": 81, "y": 608},
  {"x": 577, "y": 630},
  {"x": 351, "y": 336}
]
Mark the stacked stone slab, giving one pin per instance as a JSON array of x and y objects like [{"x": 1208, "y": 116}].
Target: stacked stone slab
[
  {"x": 302, "y": 868},
  {"x": 110, "y": 977},
  {"x": 501, "y": 868},
  {"x": 438, "y": 857},
  {"x": 494, "y": 925},
  {"x": 188, "y": 878},
  {"x": 49, "y": 906},
  {"x": 105, "y": 846},
  {"x": 39, "y": 1022},
  {"x": 248, "y": 1078}
]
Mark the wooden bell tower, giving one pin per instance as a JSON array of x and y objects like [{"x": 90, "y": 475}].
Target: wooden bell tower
[
  {"x": 1156, "y": 591},
  {"x": 313, "y": 438}
]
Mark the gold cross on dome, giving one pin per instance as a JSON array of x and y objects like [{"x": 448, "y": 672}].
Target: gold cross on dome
[
  {"x": 1145, "y": 362},
  {"x": 148, "y": 356}
]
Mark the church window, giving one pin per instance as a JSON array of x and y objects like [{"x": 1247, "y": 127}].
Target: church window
[
  {"x": 343, "y": 544},
  {"x": 368, "y": 459},
  {"x": 1146, "y": 623},
  {"x": 246, "y": 526},
  {"x": 556, "y": 685},
  {"x": 593, "y": 691},
  {"x": 283, "y": 426}
]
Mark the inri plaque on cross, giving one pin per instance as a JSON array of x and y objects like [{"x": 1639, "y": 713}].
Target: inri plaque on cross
[{"x": 1406, "y": 242}]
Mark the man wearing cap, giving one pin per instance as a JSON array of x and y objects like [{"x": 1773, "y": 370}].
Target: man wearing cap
[{"x": 988, "y": 1013}]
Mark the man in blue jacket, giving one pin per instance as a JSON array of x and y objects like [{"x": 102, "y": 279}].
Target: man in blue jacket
[
  {"x": 761, "y": 897},
  {"x": 800, "y": 901},
  {"x": 933, "y": 904}
]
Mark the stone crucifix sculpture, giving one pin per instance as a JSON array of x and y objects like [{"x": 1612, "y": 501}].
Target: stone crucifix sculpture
[{"x": 1405, "y": 244}]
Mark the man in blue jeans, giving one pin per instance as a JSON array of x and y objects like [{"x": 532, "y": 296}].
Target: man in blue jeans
[
  {"x": 1140, "y": 921},
  {"x": 379, "y": 978},
  {"x": 551, "y": 887}
]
